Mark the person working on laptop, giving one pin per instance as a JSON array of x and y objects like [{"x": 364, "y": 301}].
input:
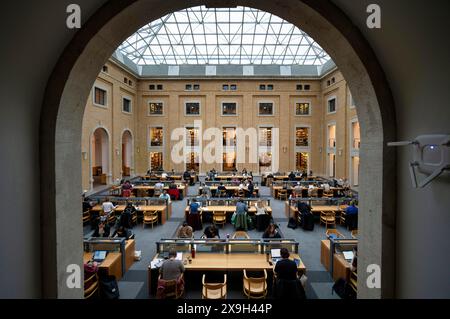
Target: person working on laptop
[
  {"x": 102, "y": 229},
  {"x": 287, "y": 284}
]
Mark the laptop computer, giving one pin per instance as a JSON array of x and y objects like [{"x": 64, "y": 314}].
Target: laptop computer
[
  {"x": 99, "y": 255},
  {"x": 348, "y": 255},
  {"x": 276, "y": 254}
]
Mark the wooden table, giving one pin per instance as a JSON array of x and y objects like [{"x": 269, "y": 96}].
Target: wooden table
[
  {"x": 111, "y": 266},
  {"x": 227, "y": 209},
  {"x": 228, "y": 262},
  {"x": 230, "y": 188},
  {"x": 130, "y": 247},
  {"x": 163, "y": 212},
  {"x": 181, "y": 188},
  {"x": 341, "y": 267},
  {"x": 325, "y": 253}
]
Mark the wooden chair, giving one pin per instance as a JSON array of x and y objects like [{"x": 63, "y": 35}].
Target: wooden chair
[
  {"x": 112, "y": 218},
  {"x": 86, "y": 216},
  {"x": 219, "y": 218},
  {"x": 240, "y": 234},
  {"x": 255, "y": 287},
  {"x": 214, "y": 290},
  {"x": 342, "y": 216},
  {"x": 353, "y": 282},
  {"x": 327, "y": 218},
  {"x": 92, "y": 289},
  {"x": 328, "y": 232},
  {"x": 282, "y": 194},
  {"x": 355, "y": 233},
  {"x": 134, "y": 218},
  {"x": 150, "y": 217},
  {"x": 171, "y": 288}
]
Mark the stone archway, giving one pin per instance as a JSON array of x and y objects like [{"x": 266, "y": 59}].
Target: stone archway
[{"x": 77, "y": 68}]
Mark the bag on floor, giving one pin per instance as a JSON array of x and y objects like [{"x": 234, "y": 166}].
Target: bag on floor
[
  {"x": 292, "y": 223},
  {"x": 109, "y": 288},
  {"x": 308, "y": 222},
  {"x": 343, "y": 289}
]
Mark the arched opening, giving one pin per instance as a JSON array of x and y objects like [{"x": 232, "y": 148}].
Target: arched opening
[
  {"x": 100, "y": 157},
  {"x": 127, "y": 153},
  {"x": 71, "y": 81}
]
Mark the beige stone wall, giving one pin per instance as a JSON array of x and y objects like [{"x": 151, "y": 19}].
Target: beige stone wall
[
  {"x": 247, "y": 96},
  {"x": 112, "y": 119}
]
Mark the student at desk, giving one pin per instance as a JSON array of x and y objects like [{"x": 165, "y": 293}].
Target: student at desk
[
  {"x": 351, "y": 218},
  {"x": 102, "y": 229},
  {"x": 122, "y": 232},
  {"x": 171, "y": 269},
  {"x": 165, "y": 196},
  {"x": 271, "y": 232},
  {"x": 108, "y": 207},
  {"x": 185, "y": 231},
  {"x": 211, "y": 232},
  {"x": 287, "y": 284}
]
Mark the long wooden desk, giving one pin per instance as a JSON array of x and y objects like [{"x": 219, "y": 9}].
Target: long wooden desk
[
  {"x": 229, "y": 188},
  {"x": 227, "y": 209},
  {"x": 163, "y": 212},
  {"x": 181, "y": 188},
  {"x": 130, "y": 247},
  {"x": 111, "y": 266},
  {"x": 228, "y": 262},
  {"x": 291, "y": 211}
]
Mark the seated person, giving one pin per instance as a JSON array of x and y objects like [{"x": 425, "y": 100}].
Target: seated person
[
  {"x": 108, "y": 207},
  {"x": 171, "y": 268},
  {"x": 186, "y": 176},
  {"x": 250, "y": 188},
  {"x": 122, "y": 232},
  {"x": 211, "y": 232},
  {"x": 185, "y": 231},
  {"x": 291, "y": 176},
  {"x": 194, "y": 207},
  {"x": 221, "y": 188},
  {"x": 287, "y": 284},
  {"x": 165, "y": 196},
  {"x": 174, "y": 192},
  {"x": 298, "y": 190},
  {"x": 271, "y": 232},
  {"x": 102, "y": 229},
  {"x": 158, "y": 188},
  {"x": 206, "y": 190},
  {"x": 164, "y": 175},
  {"x": 126, "y": 216},
  {"x": 126, "y": 189},
  {"x": 260, "y": 208},
  {"x": 351, "y": 219}
]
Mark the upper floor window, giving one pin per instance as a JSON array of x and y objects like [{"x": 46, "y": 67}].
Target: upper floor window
[
  {"x": 156, "y": 136},
  {"x": 229, "y": 108},
  {"x": 302, "y": 136},
  {"x": 152, "y": 87},
  {"x": 265, "y": 136},
  {"x": 302, "y": 108},
  {"x": 332, "y": 105},
  {"x": 155, "y": 108},
  {"x": 265, "y": 108},
  {"x": 192, "y": 108},
  {"x": 105, "y": 69},
  {"x": 126, "y": 105},
  {"x": 159, "y": 87},
  {"x": 99, "y": 96}
]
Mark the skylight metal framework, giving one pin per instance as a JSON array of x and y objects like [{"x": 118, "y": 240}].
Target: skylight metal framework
[{"x": 240, "y": 35}]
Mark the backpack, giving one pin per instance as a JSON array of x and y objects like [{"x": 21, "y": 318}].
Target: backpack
[
  {"x": 343, "y": 289},
  {"x": 109, "y": 288},
  {"x": 292, "y": 223}
]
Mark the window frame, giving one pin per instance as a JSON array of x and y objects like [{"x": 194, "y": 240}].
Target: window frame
[
  {"x": 126, "y": 97},
  {"x": 155, "y": 101},
  {"x": 224, "y": 102},
  {"x": 102, "y": 88},
  {"x": 266, "y": 101},
  {"x": 296, "y": 101},
  {"x": 199, "y": 108},
  {"x": 330, "y": 98}
]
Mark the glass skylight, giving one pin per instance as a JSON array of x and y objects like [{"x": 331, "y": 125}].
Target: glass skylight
[{"x": 240, "y": 35}]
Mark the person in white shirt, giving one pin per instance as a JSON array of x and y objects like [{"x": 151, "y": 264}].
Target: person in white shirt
[
  {"x": 165, "y": 196},
  {"x": 164, "y": 175},
  {"x": 298, "y": 189},
  {"x": 108, "y": 207},
  {"x": 159, "y": 187}
]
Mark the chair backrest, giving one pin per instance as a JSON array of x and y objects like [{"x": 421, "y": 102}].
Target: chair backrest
[
  {"x": 334, "y": 231},
  {"x": 150, "y": 213},
  {"x": 171, "y": 287},
  {"x": 256, "y": 280},
  {"x": 240, "y": 234},
  {"x": 213, "y": 288},
  {"x": 219, "y": 214}
]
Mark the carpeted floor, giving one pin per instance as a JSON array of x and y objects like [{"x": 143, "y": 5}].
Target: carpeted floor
[{"x": 133, "y": 285}]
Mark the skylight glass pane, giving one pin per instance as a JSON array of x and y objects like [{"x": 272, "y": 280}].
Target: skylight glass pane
[{"x": 238, "y": 35}]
